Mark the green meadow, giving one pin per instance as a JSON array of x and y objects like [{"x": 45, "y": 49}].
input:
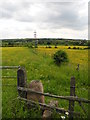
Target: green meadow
[{"x": 39, "y": 65}]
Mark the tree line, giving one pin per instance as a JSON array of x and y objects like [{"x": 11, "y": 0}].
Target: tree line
[{"x": 43, "y": 41}]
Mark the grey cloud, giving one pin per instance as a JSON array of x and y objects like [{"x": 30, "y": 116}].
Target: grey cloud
[
  {"x": 10, "y": 7},
  {"x": 89, "y": 14},
  {"x": 7, "y": 10},
  {"x": 5, "y": 14},
  {"x": 65, "y": 18},
  {"x": 52, "y": 15}
]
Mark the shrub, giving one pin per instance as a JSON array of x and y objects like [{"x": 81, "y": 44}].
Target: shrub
[
  {"x": 55, "y": 46},
  {"x": 74, "y": 48},
  {"x": 59, "y": 57},
  {"x": 87, "y": 47},
  {"x": 69, "y": 47},
  {"x": 50, "y": 47}
]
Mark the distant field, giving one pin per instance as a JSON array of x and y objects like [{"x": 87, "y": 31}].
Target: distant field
[
  {"x": 75, "y": 56},
  {"x": 40, "y": 66}
]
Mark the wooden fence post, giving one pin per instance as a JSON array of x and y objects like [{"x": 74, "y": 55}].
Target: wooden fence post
[
  {"x": 72, "y": 93},
  {"x": 21, "y": 81}
]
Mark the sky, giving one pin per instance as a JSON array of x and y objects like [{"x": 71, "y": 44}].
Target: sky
[{"x": 20, "y": 18}]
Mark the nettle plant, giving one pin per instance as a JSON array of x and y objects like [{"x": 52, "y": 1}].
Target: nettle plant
[{"x": 60, "y": 57}]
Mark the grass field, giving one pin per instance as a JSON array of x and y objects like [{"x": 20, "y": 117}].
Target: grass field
[{"x": 40, "y": 66}]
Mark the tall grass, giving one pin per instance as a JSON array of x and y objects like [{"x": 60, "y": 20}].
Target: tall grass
[{"x": 40, "y": 66}]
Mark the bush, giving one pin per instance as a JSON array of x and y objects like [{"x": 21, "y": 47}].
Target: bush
[
  {"x": 59, "y": 57},
  {"x": 87, "y": 47},
  {"x": 74, "y": 48},
  {"x": 55, "y": 46},
  {"x": 78, "y": 48},
  {"x": 50, "y": 47},
  {"x": 69, "y": 47}
]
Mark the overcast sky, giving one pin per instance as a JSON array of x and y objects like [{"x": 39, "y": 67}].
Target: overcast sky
[{"x": 20, "y": 18}]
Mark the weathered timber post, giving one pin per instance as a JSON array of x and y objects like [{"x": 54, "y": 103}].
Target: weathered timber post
[
  {"x": 72, "y": 93},
  {"x": 77, "y": 67},
  {"x": 21, "y": 81}
]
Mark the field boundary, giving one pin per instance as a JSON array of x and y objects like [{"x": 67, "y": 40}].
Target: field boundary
[{"x": 22, "y": 92}]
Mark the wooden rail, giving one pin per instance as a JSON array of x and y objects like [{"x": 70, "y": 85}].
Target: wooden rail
[
  {"x": 72, "y": 98},
  {"x": 22, "y": 90},
  {"x": 9, "y": 76},
  {"x": 45, "y": 106},
  {"x": 9, "y": 67}
]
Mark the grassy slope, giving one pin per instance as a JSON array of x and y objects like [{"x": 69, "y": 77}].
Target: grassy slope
[{"x": 39, "y": 65}]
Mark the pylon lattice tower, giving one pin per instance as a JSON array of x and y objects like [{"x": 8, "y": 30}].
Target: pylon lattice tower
[
  {"x": 35, "y": 34},
  {"x": 36, "y": 41}
]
